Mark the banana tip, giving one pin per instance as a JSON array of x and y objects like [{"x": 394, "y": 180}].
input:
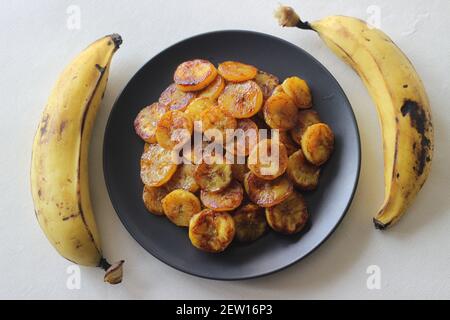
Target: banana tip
[
  {"x": 117, "y": 39},
  {"x": 379, "y": 225},
  {"x": 114, "y": 272}
]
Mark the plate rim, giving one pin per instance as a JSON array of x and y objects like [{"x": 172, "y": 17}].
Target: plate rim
[{"x": 276, "y": 269}]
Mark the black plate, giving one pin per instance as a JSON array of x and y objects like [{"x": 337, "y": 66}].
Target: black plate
[{"x": 170, "y": 244}]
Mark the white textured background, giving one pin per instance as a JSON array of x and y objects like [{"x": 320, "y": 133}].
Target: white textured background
[{"x": 414, "y": 256}]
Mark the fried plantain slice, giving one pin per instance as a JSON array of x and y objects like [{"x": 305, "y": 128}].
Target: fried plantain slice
[
  {"x": 214, "y": 89},
  {"x": 250, "y": 222},
  {"x": 286, "y": 140},
  {"x": 197, "y": 106},
  {"x": 239, "y": 171},
  {"x": 180, "y": 205},
  {"x": 268, "y": 159},
  {"x": 280, "y": 112},
  {"x": 267, "y": 193},
  {"x": 305, "y": 119},
  {"x": 174, "y": 129},
  {"x": 267, "y": 82},
  {"x": 225, "y": 200},
  {"x": 157, "y": 166},
  {"x": 290, "y": 216},
  {"x": 241, "y": 100},
  {"x": 194, "y": 75},
  {"x": 183, "y": 178},
  {"x": 237, "y": 71},
  {"x": 152, "y": 197},
  {"x": 176, "y": 99},
  {"x": 147, "y": 119},
  {"x": 215, "y": 123},
  {"x": 318, "y": 143},
  {"x": 245, "y": 136},
  {"x": 303, "y": 174},
  {"x": 211, "y": 231},
  {"x": 278, "y": 89},
  {"x": 299, "y": 91},
  {"x": 213, "y": 177}
]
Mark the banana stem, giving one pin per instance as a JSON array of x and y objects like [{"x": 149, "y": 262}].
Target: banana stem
[{"x": 304, "y": 25}]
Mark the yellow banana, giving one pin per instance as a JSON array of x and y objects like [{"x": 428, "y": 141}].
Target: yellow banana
[
  {"x": 59, "y": 166},
  {"x": 400, "y": 98}
]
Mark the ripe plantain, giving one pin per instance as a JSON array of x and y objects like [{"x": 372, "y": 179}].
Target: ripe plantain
[
  {"x": 59, "y": 166},
  {"x": 400, "y": 98}
]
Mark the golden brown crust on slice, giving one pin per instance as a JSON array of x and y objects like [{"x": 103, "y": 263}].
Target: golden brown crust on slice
[
  {"x": 299, "y": 91},
  {"x": 225, "y": 200},
  {"x": 305, "y": 119},
  {"x": 267, "y": 82},
  {"x": 280, "y": 112},
  {"x": 213, "y": 177},
  {"x": 175, "y": 99},
  {"x": 241, "y": 100},
  {"x": 147, "y": 119},
  {"x": 183, "y": 178},
  {"x": 214, "y": 89},
  {"x": 288, "y": 217},
  {"x": 303, "y": 174},
  {"x": 318, "y": 143},
  {"x": 216, "y": 119},
  {"x": 152, "y": 197},
  {"x": 211, "y": 231},
  {"x": 194, "y": 75},
  {"x": 250, "y": 222},
  {"x": 197, "y": 106},
  {"x": 245, "y": 137},
  {"x": 237, "y": 71},
  {"x": 174, "y": 129},
  {"x": 268, "y": 159},
  {"x": 267, "y": 193},
  {"x": 179, "y": 206},
  {"x": 157, "y": 165}
]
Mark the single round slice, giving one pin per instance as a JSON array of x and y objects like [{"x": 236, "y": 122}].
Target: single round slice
[
  {"x": 245, "y": 137},
  {"x": 194, "y": 75},
  {"x": 303, "y": 174},
  {"x": 214, "y": 89},
  {"x": 250, "y": 222},
  {"x": 211, "y": 231},
  {"x": 298, "y": 90},
  {"x": 183, "y": 178},
  {"x": 237, "y": 71},
  {"x": 213, "y": 177},
  {"x": 239, "y": 171},
  {"x": 280, "y": 112},
  {"x": 197, "y": 106},
  {"x": 268, "y": 159},
  {"x": 318, "y": 143},
  {"x": 267, "y": 82},
  {"x": 157, "y": 166},
  {"x": 179, "y": 206},
  {"x": 225, "y": 200},
  {"x": 288, "y": 217},
  {"x": 286, "y": 140},
  {"x": 174, "y": 129},
  {"x": 152, "y": 197},
  {"x": 242, "y": 100},
  {"x": 175, "y": 99},
  {"x": 267, "y": 193},
  {"x": 216, "y": 122},
  {"x": 305, "y": 119},
  {"x": 146, "y": 121}
]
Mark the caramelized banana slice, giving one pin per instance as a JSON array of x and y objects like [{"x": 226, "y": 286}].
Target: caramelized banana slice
[
  {"x": 286, "y": 140},
  {"x": 267, "y": 193},
  {"x": 242, "y": 100},
  {"x": 280, "y": 112},
  {"x": 245, "y": 137},
  {"x": 157, "y": 166},
  {"x": 176, "y": 99},
  {"x": 152, "y": 197},
  {"x": 217, "y": 121},
  {"x": 304, "y": 120},
  {"x": 174, "y": 129},
  {"x": 267, "y": 82},
  {"x": 147, "y": 119},
  {"x": 213, "y": 177},
  {"x": 197, "y": 106},
  {"x": 318, "y": 143},
  {"x": 288, "y": 217},
  {"x": 179, "y": 206},
  {"x": 278, "y": 89},
  {"x": 214, "y": 90},
  {"x": 250, "y": 222},
  {"x": 211, "y": 231},
  {"x": 239, "y": 171},
  {"x": 194, "y": 75},
  {"x": 225, "y": 200},
  {"x": 303, "y": 174},
  {"x": 183, "y": 178},
  {"x": 268, "y": 159},
  {"x": 237, "y": 71},
  {"x": 298, "y": 90}
]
